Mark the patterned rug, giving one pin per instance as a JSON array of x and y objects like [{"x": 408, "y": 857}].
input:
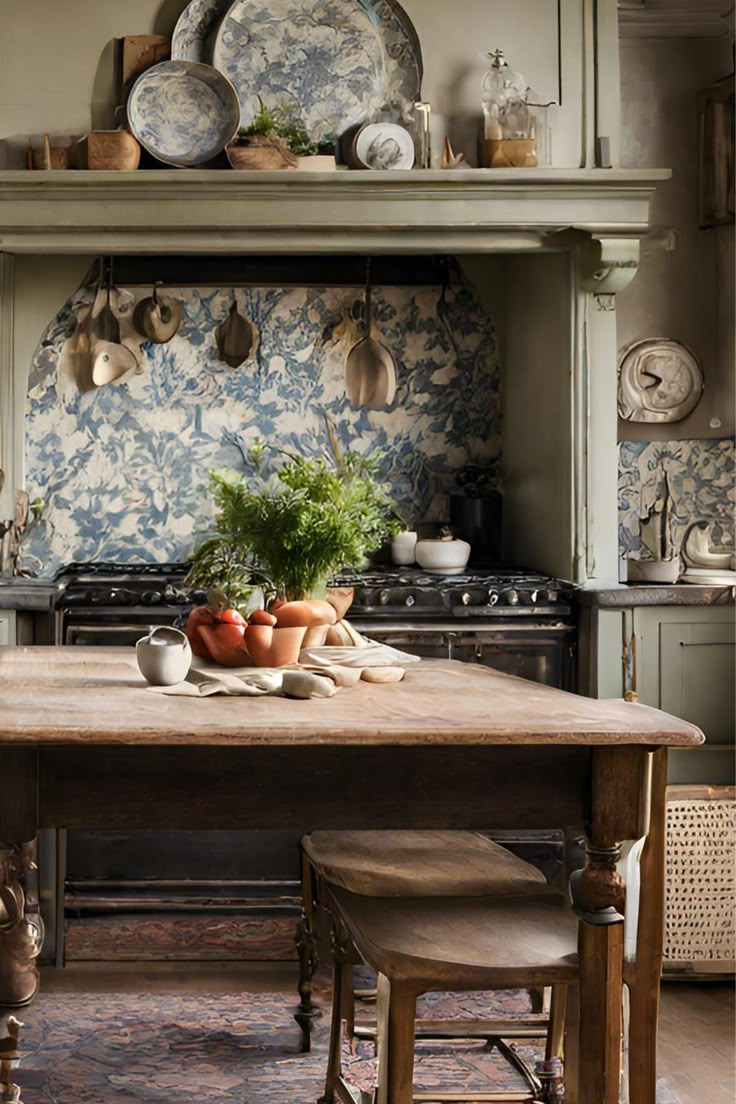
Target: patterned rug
[{"x": 91, "y": 1048}]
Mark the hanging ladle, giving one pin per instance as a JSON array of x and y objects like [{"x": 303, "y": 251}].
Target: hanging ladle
[
  {"x": 157, "y": 317},
  {"x": 370, "y": 369}
]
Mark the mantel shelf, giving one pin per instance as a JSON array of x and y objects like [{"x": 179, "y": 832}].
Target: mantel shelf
[{"x": 472, "y": 211}]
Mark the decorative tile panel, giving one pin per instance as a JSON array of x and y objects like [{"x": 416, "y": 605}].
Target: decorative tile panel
[
  {"x": 124, "y": 469},
  {"x": 701, "y": 480}
]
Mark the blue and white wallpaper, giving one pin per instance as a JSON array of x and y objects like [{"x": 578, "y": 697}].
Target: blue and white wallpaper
[
  {"x": 123, "y": 469},
  {"x": 701, "y": 476}
]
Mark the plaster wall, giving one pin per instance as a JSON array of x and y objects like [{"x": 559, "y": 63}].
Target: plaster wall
[
  {"x": 688, "y": 293},
  {"x": 57, "y": 71}
]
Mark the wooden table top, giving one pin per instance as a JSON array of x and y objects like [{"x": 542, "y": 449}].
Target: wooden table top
[{"x": 69, "y": 695}]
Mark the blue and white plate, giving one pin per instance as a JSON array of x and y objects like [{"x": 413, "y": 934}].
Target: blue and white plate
[
  {"x": 183, "y": 112},
  {"x": 194, "y": 32},
  {"x": 335, "y": 62}
]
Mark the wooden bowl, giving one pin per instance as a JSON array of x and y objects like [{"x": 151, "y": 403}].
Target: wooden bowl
[{"x": 259, "y": 152}]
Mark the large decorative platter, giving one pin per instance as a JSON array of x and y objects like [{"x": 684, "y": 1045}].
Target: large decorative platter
[
  {"x": 336, "y": 62},
  {"x": 183, "y": 112},
  {"x": 194, "y": 31}
]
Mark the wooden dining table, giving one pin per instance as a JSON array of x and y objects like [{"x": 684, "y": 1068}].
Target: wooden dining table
[{"x": 84, "y": 743}]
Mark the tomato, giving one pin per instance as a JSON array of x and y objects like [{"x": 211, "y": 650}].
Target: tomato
[
  {"x": 232, "y": 617},
  {"x": 201, "y": 615},
  {"x": 224, "y": 644},
  {"x": 262, "y": 617}
]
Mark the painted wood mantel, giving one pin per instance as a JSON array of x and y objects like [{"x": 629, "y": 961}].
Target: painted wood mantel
[
  {"x": 594, "y": 217},
  {"x": 472, "y": 211}
]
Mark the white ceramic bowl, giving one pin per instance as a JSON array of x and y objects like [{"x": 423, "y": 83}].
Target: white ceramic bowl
[
  {"x": 442, "y": 556},
  {"x": 661, "y": 572},
  {"x": 164, "y": 656}
]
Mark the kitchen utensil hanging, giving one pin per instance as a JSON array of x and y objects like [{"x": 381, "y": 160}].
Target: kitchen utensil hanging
[
  {"x": 157, "y": 317},
  {"x": 105, "y": 325},
  {"x": 370, "y": 369},
  {"x": 234, "y": 337},
  {"x": 111, "y": 359}
]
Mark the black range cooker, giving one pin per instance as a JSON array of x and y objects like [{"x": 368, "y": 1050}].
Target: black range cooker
[{"x": 516, "y": 621}]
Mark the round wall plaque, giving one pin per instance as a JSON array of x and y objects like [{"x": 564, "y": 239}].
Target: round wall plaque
[{"x": 659, "y": 380}]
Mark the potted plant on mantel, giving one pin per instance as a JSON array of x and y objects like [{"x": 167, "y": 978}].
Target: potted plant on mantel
[
  {"x": 278, "y": 139},
  {"x": 287, "y": 534}
]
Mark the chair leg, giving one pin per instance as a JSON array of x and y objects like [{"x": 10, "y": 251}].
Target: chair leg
[
  {"x": 536, "y": 997},
  {"x": 396, "y": 1008},
  {"x": 334, "y": 1058},
  {"x": 347, "y": 1000},
  {"x": 306, "y": 947},
  {"x": 572, "y": 1045},
  {"x": 556, "y": 1030}
]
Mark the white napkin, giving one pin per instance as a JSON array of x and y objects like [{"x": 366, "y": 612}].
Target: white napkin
[
  {"x": 372, "y": 655},
  {"x": 253, "y": 683}
]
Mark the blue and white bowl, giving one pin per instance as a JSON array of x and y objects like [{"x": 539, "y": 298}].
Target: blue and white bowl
[{"x": 183, "y": 112}]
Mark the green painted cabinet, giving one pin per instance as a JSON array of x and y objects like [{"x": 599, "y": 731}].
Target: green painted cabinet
[
  {"x": 686, "y": 666},
  {"x": 7, "y": 627},
  {"x": 681, "y": 659}
]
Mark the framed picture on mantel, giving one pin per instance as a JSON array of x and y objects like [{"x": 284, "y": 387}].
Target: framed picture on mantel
[{"x": 716, "y": 118}]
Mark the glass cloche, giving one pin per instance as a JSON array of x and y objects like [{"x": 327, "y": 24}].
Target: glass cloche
[{"x": 515, "y": 123}]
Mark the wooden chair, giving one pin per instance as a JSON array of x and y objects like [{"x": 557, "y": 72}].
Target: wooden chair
[
  {"x": 399, "y": 864},
  {"x": 422, "y": 944}
]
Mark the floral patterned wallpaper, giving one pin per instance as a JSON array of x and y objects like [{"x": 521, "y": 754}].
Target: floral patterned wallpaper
[
  {"x": 702, "y": 483},
  {"x": 124, "y": 469}
]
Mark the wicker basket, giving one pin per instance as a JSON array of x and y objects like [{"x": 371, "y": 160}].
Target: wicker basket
[{"x": 700, "y": 908}]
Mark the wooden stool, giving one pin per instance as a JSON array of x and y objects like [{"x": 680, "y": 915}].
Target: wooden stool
[
  {"x": 396, "y": 864},
  {"x": 425, "y": 944}
]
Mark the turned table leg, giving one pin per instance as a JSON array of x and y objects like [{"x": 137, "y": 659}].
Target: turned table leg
[
  {"x": 618, "y": 811},
  {"x": 644, "y": 987}
]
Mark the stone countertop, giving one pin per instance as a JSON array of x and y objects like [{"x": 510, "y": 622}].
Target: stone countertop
[
  {"x": 646, "y": 594},
  {"x": 28, "y": 595}
]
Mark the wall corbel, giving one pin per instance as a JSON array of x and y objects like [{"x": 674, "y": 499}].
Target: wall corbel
[{"x": 608, "y": 265}]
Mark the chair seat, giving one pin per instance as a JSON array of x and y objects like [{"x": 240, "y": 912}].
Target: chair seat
[
  {"x": 419, "y": 864},
  {"x": 464, "y": 942}
]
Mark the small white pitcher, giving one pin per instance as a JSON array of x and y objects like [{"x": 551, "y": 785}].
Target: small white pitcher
[{"x": 164, "y": 656}]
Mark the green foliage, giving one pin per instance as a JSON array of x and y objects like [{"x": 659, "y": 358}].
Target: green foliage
[
  {"x": 283, "y": 123},
  {"x": 312, "y": 518}
]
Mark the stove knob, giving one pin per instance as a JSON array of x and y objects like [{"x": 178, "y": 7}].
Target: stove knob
[
  {"x": 410, "y": 600},
  {"x": 384, "y": 597},
  {"x": 534, "y": 597},
  {"x": 511, "y": 597},
  {"x": 199, "y": 598},
  {"x": 492, "y": 597},
  {"x": 466, "y": 598},
  {"x": 151, "y": 598},
  {"x": 551, "y": 596}
]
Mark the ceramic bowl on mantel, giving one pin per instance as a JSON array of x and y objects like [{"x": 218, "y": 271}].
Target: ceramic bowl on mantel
[{"x": 183, "y": 112}]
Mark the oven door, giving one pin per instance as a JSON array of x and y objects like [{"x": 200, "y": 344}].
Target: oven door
[
  {"x": 102, "y": 630},
  {"x": 539, "y": 652}
]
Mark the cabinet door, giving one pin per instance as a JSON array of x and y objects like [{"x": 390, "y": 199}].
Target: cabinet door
[
  {"x": 7, "y": 627},
  {"x": 697, "y": 676}
]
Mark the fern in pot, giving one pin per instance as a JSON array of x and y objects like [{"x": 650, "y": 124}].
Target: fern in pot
[{"x": 295, "y": 528}]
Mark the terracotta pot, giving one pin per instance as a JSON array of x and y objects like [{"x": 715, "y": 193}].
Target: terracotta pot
[
  {"x": 269, "y": 647},
  {"x": 316, "y": 636},
  {"x": 341, "y": 599},
  {"x": 260, "y": 152}
]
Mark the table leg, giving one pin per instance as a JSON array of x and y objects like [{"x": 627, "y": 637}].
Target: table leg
[
  {"x": 620, "y": 781},
  {"x": 644, "y": 987}
]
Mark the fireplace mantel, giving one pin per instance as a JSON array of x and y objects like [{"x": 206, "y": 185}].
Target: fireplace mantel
[{"x": 473, "y": 211}]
